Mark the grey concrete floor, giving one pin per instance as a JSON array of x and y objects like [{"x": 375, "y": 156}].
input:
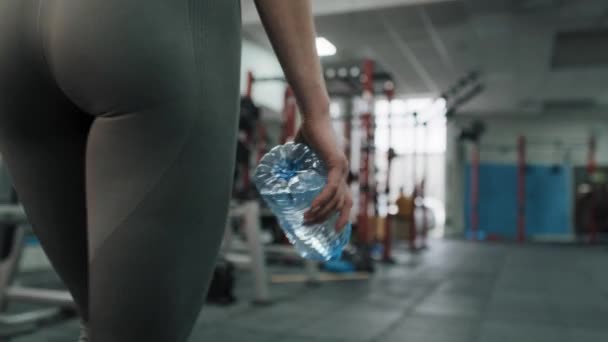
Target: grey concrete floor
[{"x": 455, "y": 292}]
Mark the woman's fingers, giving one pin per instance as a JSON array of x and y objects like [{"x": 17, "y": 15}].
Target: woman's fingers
[
  {"x": 322, "y": 199},
  {"x": 341, "y": 203},
  {"x": 344, "y": 212},
  {"x": 334, "y": 179},
  {"x": 326, "y": 198},
  {"x": 335, "y": 197},
  {"x": 330, "y": 208}
]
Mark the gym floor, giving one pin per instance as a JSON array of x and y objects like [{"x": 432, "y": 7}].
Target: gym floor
[{"x": 455, "y": 292}]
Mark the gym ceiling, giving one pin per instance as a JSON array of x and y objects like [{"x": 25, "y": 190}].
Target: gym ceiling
[{"x": 536, "y": 56}]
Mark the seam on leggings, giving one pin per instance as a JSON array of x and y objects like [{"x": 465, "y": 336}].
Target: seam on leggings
[
  {"x": 112, "y": 115},
  {"x": 187, "y": 135},
  {"x": 168, "y": 167},
  {"x": 42, "y": 41}
]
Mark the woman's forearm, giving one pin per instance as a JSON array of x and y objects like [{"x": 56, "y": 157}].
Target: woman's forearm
[{"x": 290, "y": 26}]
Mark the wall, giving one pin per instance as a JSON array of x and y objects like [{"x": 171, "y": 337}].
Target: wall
[
  {"x": 553, "y": 139},
  {"x": 263, "y": 63},
  {"x": 543, "y": 133},
  {"x": 548, "y": 197}
]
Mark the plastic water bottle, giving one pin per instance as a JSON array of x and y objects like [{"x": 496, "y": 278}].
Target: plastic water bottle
[{"x": 289, "y": 178}]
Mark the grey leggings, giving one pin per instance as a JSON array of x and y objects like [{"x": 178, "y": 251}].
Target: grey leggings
[{"x": 118, "y": 124}]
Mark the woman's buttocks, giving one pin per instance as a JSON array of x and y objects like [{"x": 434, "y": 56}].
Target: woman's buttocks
[{"x": 120, "y": 50}]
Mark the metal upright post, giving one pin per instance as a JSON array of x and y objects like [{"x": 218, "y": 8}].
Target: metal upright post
[
  {"x": 312, "y": 271},
  {"x": 288, "y": 130},
  {"x": 475, "y": 190},
  {"x": 521, "y": 189},
  {"x": 258, "y": 262},
  {"x": 591, "y": 168},
  {"x": 425, "y": 161},
  {"x": 249, "y": 84},
  {"x": 389, "y": 90},
  {"x": 413, "y": 231},
  {"x": 365, "y": 194}
]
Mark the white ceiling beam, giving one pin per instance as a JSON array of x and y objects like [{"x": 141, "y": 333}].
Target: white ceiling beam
[
  {"x": 409, "y": 55},
  {"x": 438, "y": 43},
  {"x": 326, "y": 7}
]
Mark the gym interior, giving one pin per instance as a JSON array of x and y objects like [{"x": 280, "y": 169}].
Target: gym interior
[{"x": 477, "y": 137}]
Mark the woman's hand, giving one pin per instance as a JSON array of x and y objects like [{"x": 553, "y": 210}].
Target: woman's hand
[
  {"x": 290, "y": 27},
  {"x": 318, "y": 133}
]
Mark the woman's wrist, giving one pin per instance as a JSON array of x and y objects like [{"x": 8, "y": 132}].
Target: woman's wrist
[{"x": 315, "y": 108}]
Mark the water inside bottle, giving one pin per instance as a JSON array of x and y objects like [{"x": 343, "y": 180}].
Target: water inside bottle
[{"x": 289, "y": 178}]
